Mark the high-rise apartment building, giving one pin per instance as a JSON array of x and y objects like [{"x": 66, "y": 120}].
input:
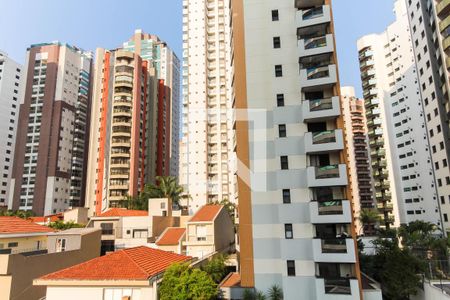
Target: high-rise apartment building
[
  {"x": 428, "y": 24},
  {"x": 11, "y": 93},
  {"x": 357, "y": 144},
  {"x": 294, "y": 203},
  {"x": 167, "y": 68},
  {"x": 51, "y": 144},
  {"x": 404, "y": 184},
  {"x": 208, "y": 163},
  {"x": 122, "y": 154}
]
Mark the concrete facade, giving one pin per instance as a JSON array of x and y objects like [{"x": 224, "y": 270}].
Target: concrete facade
[
  {"x": 207, "y": 158},
  {"x": 401, "y": 166},
  {"x": 428, "y": 26},
  {"x": 12, "y": 81},
  {"x": 52, "y": 137},
  {"x": 276, "y": 81},
  {"x": 17, "y": 276}
]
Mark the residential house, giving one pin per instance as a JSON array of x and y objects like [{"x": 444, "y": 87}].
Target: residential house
[
  {"x": 210, "y": 230},
  {"x": 172, "y": 240},
  {"x": 122, "y": 228},
  {"x": 31, "y": 250},
  {"x": 131, "y": 274}
]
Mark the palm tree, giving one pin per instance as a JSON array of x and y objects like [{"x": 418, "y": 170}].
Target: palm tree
[
  {"x": 275, "y": 292},
  {"x": 369, "y": 218},
  {"x": 260, "y": 295},
  {"x": 165, "y": 187}
]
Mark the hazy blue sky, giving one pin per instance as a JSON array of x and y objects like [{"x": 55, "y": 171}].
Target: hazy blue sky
[{"x": 105, "y": 23}]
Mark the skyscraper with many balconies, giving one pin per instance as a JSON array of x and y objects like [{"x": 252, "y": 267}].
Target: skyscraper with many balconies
[
  {"x": 429, "y": 32},
  {"x": 167, "y": 68},
  {"x": 52, "y": 137},
  {"x": 122, "y": 155},
  {"x": 207, "y": 164},
  {"x": 295, "y": 214},
  {"x": 405, "y": 186},
  {"x": 357, "y": 143}
]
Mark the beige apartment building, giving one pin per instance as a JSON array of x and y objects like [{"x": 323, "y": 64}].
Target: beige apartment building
[
  {"x": 36, "y": 253},
  {"x": 207, "y": 159}
]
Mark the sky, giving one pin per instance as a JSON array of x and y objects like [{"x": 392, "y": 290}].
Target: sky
[{"x": 89, "y": 24}]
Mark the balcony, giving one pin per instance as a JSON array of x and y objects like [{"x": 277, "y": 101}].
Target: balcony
[
  {"x": 313, "y": 16},
  {"x": 318, "y": 76},
  {"x": 325, "y": 141},
  {"x": 443, "y": 8},
  {"x": 333, "y": 175},
  {"x": 337, "y": 289},
  {"x": 333, "y": 211},
  {"x": 334, "y": 250},
  {"x": 321, "y": 109},
  {"x": 316, "y": 45}
]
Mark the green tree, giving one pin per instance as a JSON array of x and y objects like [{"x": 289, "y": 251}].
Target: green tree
[
  {"x": 61, "y": 225},
  {"x": 369, "y": 218},
  {"x": 260, "y": 295},
  {"x": 248, "y": 294},
  {"x": 216, "y": 268},
  {"x": 165, "y": 187},
  {"x": 230, "y": 207},
  {"x": 139, "y": 202},
  {"x": 181, "y": 282},
  {"x": 24, "y": 214},
  {"x": 400, "y": 276},
  {"x": 275, "y": 292}
]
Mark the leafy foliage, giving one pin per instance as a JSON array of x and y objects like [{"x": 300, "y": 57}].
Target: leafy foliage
[
  {"x": 230, "y": 207},
  {"x": 398, "y": 268},
  {"x": 61, "y": 225},
  {"x": 24, "y": 214},
  {"x": 369, "y": 218},
  {"x": 216, "y": 268},
  {"x": 181, "y": 282},
  {"x": 275, "y": 293}
]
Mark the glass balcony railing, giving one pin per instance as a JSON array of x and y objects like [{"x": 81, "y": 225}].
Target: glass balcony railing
[
  {"x": 317, "y": 72},
  {"x": 315, "y": 42},
  {"x": 320, "y": 104},
  {"x": 313, "y": 13},
  {"x": 332, "y": 207},
  {"x": 334, "y": 246},
  {"x": 326, "y": 172},
  {"x": 337, "y": 286},
  {"x": 324, "y": 137}
]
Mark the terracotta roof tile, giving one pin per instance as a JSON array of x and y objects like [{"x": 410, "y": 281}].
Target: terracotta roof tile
[
  {"x": 123, "y": 212},
  {"x": 51, "y": 218},
  {"x": 206, "y": 213},
  {"x": 12, "y": 225},
  {"x": 139, "y": 263},
  {"x": 233, "y": 279},
  {"x": 171, "y": 236}
]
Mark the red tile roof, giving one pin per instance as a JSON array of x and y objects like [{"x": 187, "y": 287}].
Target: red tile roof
[
  {"x": 233, "y": 279},
  {"x": 123, "y": 212},
  {"x": 206, "y": 213},
  {"x": 51, "y": 218},
  {"x": 139, "y": 263},
  {"x": 14, "y": 225},
  {"x": 171, "y": 236}
]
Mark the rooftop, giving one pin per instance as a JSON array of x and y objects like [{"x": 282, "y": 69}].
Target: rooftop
[
  {"x": 139, "y": 263},
  {"x": 171, "y": 236},
  {"x": 232, "y": 280},
  {"x": 207, "y": 213},
  {"x": 49, "y": 218},
  {"x": 76, "y": 231},
  {"x": 15, "y": 225},
  {"x": 123, "y": 212}
]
